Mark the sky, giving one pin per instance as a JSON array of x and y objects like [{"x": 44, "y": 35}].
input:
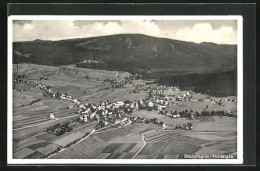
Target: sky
[{"x": 216, "y": 31}]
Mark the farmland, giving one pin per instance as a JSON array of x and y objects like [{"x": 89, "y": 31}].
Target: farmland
[{"x": 31, "y": 118}]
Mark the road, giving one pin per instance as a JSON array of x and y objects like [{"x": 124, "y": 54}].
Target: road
[
  {"x": 92, "y": 132},
  {"x": 73, "y": 144},
  {"x": 144, "y": 143},
  {"x": 116, "y": 74}
]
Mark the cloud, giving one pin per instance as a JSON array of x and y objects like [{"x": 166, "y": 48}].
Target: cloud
[
  {"x": 65, "y": 29},
  {"x": 203, "y": 32},
  {"x": 60, "y": 29},
  {"x": 81, "y": 23}
]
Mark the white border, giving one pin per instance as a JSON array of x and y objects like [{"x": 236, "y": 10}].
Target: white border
[{"x": 239, "y": 159}]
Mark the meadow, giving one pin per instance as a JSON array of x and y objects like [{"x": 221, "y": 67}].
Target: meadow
[{"x": 211, "y": 134}]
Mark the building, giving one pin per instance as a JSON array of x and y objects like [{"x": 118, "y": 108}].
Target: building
[{"x": 52, "y": 116}]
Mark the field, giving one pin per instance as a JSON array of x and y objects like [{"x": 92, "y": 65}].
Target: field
[
  {"x": 163, "y": 144},
  {"x": 210, "y": 134},
  {"x": 117, "y": 143},
  {"x": 174, "y": 144}
]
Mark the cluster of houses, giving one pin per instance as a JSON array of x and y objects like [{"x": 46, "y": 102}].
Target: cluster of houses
[
  {"x": 111, "y": 113},
  {"x": 21, "y": 76},
  {"x": 137, "y": 76},
  {"x": 182, "y": 114},
  {"x": 61, "y": 96},
  {"x": 187, "y": 96},
  {"x": 157, "y": 93},
  {"x": 20, "y": 89},
  {"x": 43, "y": 77},
  {"x": 114, "y": 113},
  {"x": 184, "y": 97},
  {"x": 217, "y": 113},
  {"x": 136, "y": 119},
  {"x": 92, "y": 61},
  {"x": 194, "y": 115},
  {"x": 159, "y": 97},
  {"x": 137, "y": 88},
  {"x": 184, "y": 127},
  {"x": 107, "y": 113},
  {"x": 116, "y": 83},
  {"x": 48, "y": 91},
  {"x": 21, "y": 81},
  {"x": 221, "y": 101},
  {"x": 93, "y": 64},
  {"x": 134, "y": 91},
  {"x": 59, "y": 129},
  {"x": 119, "y": 83}
]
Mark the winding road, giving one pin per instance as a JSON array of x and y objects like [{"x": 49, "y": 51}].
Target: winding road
[
  {"x": 144, "y": 143},
  {"x": 116, "y": 74}
]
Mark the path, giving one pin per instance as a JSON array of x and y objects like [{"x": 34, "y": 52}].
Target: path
[
  {"x": 116, "y": 74},
  {"x": 144, "y": 143},
  {"x": 92, "y": 132},
  {"x": 98, "y": 132},
  {"x": 73, "y": 144}
]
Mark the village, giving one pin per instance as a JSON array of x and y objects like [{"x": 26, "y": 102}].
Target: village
[
  {"x": 112, "y": 113},
  {"x": 158, "y": 99}
]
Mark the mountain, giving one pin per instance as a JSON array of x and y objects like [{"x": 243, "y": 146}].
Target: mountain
[{"x": 130, "y": 52}]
